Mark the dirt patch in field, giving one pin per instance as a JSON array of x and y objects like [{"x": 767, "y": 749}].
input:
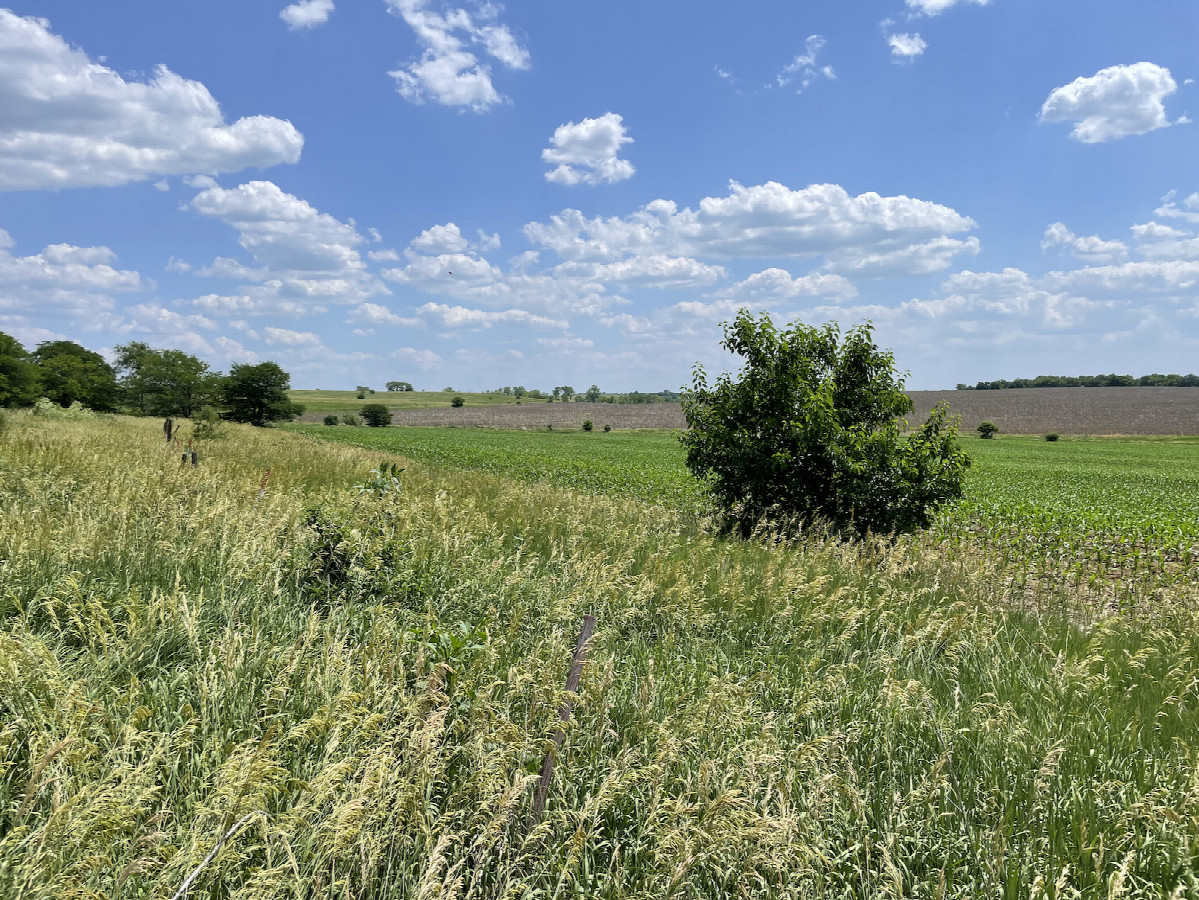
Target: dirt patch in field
[{"x": 1125, "y": 410}]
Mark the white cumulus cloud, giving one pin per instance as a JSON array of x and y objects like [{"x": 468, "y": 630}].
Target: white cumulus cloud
[
  {"x": 307, "y": 13},
  {"x": 462, "y": 317},
  {"x": 1113, "y": 103},
  {"x": 70, "y": 122},
  {"x": 288, "y": 338},
  {"x": 936, "y": 7},
  {"x": 305, "y": 255},
  {"x": 449, "y": 72},
  {"x": 374, "y": 314},
  {"x": 866, "y": 233},
  {"x": 588, "y": 152},
  {"x": 906, "y": 46},
  {"x": 426, "y": 359},
  {"x": 1092, "y": 248}
]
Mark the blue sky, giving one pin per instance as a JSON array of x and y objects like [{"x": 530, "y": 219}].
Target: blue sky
[{"x": 478, "y": 195}]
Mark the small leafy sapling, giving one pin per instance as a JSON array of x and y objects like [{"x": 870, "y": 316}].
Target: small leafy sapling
[{"x": 810, "y": 433}]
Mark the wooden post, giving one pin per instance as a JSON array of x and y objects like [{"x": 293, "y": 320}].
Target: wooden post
[
  {"x": 572, "y": 685},
  {"x": 262, "y": 488}
]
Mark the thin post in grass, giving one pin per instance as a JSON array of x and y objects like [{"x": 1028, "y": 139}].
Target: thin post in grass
[
  {"x": 572, "y": 685},
  {"x": 262, "y": 488}
]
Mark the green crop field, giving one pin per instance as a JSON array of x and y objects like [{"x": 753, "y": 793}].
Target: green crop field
[
  {"x": 334, "y": 683},
  {"x": 644, "y": 464},
  {"x": 1100, "y": 521}
]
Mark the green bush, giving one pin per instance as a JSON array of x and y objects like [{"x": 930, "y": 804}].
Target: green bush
[
  {"x": 49, "y": 409},
  {"x": 331, "y": 419},
  {"x": 810, "y": 434},
  {"x": 1052, "y": 436},
  {"x": 588, "y": 424},
  {"x": 206, "y": 424},
  {"x": 987, "y": 430},
  {"x": 607, "y": 428},
  {"x": 350, "y": 419},
  {"x": 458, "y": 402},
  {"x": 376, "y": 415},
  {"x": 361, "y": 395}
]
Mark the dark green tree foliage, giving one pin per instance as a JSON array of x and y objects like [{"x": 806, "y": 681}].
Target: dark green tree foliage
[
  {"x": 810, "y": 433},
  {"x": 399, "y": 386},
  {"x": 20, "y": 382},
  {"x": 164, "y": 382},
  {"x": 257, "y": 394},
  {"x": 70, "y": 372},
  {"x": 376, "y": 415}
]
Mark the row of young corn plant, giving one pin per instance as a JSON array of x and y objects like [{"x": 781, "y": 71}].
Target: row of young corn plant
[{"x": 366, "y": 679}]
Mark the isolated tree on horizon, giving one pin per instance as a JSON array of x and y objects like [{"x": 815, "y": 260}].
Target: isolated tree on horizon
[
  {"x": 257, "y": 394},
  {"x": 809, "y": 433}
]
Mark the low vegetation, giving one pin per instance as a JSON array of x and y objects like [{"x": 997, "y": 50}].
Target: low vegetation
[{"x": 362, "y": 663}]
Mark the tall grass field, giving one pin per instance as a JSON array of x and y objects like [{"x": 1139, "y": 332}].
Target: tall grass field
[{"x": 335, "y": 682}]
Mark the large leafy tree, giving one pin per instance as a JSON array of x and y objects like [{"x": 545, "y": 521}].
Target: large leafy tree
[
  {"x": 72, "y": 373},
  {"x": 810, "y": 432},
  {"x": 164, "y": 382},
  {"x": 257, "y": 394},
  {"x": 20, "y": 382}
]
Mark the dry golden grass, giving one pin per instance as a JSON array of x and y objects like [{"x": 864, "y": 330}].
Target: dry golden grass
[{"x": 373, "y": 677}]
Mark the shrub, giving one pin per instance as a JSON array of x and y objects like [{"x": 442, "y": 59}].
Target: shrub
[
  {"x": 588, "y": 424},
  {"x": 206, "y": 424},
  {"x": 987, "y": 430},
  {"x": 376, "y": 415},
  {"x": 361, "y": 395},
  {"x": 350, "y": 419},
  {"x": 331, "y": 419},
  {"x": 76, "y": 412},
  {"x": 809, "y": 434},
  {"x": 458, "y": 402},
  {"x": 1052, "y": 436},
  {"x": 607, "y": 428}
]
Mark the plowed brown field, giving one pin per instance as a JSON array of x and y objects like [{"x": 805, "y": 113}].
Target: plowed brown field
[{"x": 1124, "y": 410}]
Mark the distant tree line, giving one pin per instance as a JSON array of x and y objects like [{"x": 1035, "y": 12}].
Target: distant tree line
[
  {"x": 567, "y": 394},
  {"x": 1085, "y": 381},
  {"x": 143, "y": 382}
]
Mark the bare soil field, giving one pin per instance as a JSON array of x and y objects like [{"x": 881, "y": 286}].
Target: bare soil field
[
  {"x": 1081, "y": 410},
  {"x": 1122, "y": 410}
]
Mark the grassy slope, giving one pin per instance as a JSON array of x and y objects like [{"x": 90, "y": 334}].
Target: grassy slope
[{"x": 376, "y": 690}]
